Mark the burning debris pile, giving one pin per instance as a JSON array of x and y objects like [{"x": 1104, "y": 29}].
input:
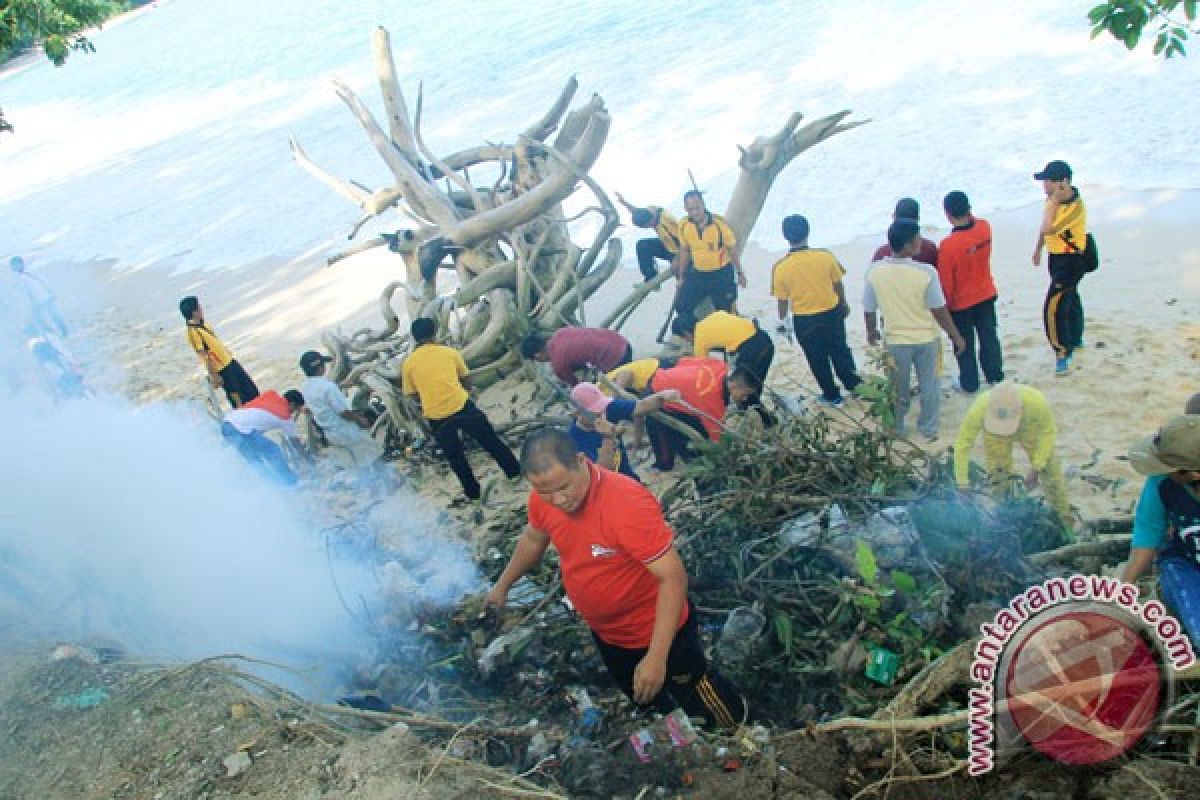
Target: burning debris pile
[{"x": 829, "y": 566}]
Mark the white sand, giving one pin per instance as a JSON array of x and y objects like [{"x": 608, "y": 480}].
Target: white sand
[{"x": 1140, "y": 365}]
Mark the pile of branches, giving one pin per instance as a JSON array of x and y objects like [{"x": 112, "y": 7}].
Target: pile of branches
[{"x": 839, "y": 538}]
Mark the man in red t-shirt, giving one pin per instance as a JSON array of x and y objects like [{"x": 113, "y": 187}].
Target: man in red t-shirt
[
  {"x": 907, "y": 208},
  {"x": 571, "y": 349},
  {"x": 965, "y": 271},
  {"x": 623, "y": 575}
]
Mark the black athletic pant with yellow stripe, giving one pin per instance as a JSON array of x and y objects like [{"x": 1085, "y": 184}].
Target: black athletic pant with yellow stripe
[
  {"x": 690, "y": 684},
  {"x": 1062, "y": 313}
]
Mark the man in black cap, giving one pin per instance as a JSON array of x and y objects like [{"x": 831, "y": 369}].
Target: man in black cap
[
  {"x": 663, "y": 245},
  {"x": 343, "y": 427},
  {"x": 1064, "y": 236},
  {"x": 908, "y": 208}
]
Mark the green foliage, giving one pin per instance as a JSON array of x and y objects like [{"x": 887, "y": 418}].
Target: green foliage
[
  {"x": 1127, "y": 20},
  {"x": 57, "y": 24},
  {"x": 864, "y": 559}
]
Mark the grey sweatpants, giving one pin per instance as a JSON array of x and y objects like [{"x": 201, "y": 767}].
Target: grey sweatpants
[{"x": 922, "y": 357}]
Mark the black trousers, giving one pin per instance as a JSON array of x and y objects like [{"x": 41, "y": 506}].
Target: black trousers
[
  {"x": 719, "y": 286},
  {"x": 978, "y": 323},
  {"x": 822, "y": 337},
  {"x": 238, "y": 386},
  {"x": 470, "y": 420},
  {"x": 668, "y": 442},
  {"x": 1062, "y": 313},
  {"x": 647, "y": 251},
  {"x": 690, "y": 684},
  {"x": 755, "y": 356}
]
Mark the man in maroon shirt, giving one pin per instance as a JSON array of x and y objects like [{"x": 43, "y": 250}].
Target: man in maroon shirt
[
  {"x": 907, "y": 208},
  {"x": 572, "y": 349},
  {"x": 965, "y": 270}
]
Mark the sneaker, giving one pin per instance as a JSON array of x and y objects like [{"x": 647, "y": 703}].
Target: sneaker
[
  {"x": 1062, "y": 366},
  {"x": 836, "y": 402},
  {"x": 956, "y": 384}
]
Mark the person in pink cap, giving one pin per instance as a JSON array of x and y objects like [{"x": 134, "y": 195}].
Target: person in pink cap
[{"x": 596, "y": 429}]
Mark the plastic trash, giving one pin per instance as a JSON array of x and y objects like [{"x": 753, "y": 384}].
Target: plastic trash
[
  {"x": 803, "y": 531},
  {"x": 838, "y": 521},
  {"x": 503, "y": 649},
  {"x": 680, "y": 728},
  {"x": 591, "y": 717},
  {"x": 743, "y": 627},
  {"x": 643, "y": 745},
  {"x": 82, "y": 701},
  {"x": 882, "y": 666}
]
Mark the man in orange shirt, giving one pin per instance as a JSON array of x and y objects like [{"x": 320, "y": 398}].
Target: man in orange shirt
[
  {"x": 623, "y": 575},
  {"x": 965, "y": 271}
]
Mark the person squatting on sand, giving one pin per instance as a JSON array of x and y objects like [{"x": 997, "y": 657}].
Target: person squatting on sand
[
  {"x": 663, "y": 246},
  {"x": 808, "y": 283},
  {"x": 1166, "y": 524},
  {"x": 927, "y": 252},
  {"x": 437, "y": 374},
  {"x": 1064, "y": 236},
  {"x": 622, "y": 573},
  {"x": 569, "y": 350},
  {"x": 965, "y": 270},
  {"x": 596, "y": 429},
  {"x": 246, "y": 427},
  {"x": 910, "y": 297},
  {"x": 742, "y": 338},
  {"x": 1007, "y": 415},
  {"x": 708, "y": 266},
  {"x": 224, "y": 371},
  {"x": 706, "y": 387},
  {"x": 329, "y": 408}
]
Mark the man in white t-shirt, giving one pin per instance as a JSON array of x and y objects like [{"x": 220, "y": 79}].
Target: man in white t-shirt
[
  {"x": 909, "y": 294},
  {"x": 342, "y": 426},
  {"x": 246, "y": 428}
]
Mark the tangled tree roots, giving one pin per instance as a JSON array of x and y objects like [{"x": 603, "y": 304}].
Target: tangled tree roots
[{"x": 493, "y": 213}]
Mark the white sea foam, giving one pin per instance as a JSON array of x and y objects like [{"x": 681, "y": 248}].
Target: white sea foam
[{"x": 168, "y": 147}]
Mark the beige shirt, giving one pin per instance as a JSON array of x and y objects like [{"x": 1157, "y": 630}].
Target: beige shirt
[{"x": 905, "y": 291}]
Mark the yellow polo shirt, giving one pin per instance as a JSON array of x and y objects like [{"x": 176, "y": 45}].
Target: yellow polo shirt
[
  {"x": 1069, "y": 220},
  {"x": 723, "y": 330},
  {"x": 667, "y": 229},
  {"x": 641, "y": 372},
  {"x": 806, "y": 279},
  {"x": 710, "y": 248},
  {"x": 206, "y": 344},
  {"x": 434, "y": 372}
]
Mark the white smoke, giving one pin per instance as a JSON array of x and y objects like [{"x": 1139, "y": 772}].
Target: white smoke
[{"x": 138, "y": 524}]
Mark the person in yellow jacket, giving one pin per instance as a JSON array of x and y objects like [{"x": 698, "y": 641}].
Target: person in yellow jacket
[
  {"x": 1064, "y": 235},
  {"x": 664, "y": 245},
  {"x": 1007, "y": 415}
]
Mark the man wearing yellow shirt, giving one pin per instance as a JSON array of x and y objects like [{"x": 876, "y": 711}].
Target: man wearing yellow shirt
[
  {"x": 808, "y": 284},
  {"x": 224, "y": 371},
  {"x": 708, "y": 265},
  {"x": 1010, "y": 414},
  {"x": 1064, "y": 235},
  {"x": 751, "y": 347},
  {"x": 663, "y": 245},
  {"x": 437, "y": 374},
  {"x": 636, "y": 375}
]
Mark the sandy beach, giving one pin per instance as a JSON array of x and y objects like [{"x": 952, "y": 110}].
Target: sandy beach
[{"x": 1140, "y": 364}]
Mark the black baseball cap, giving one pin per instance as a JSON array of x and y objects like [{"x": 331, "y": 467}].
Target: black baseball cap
[
  {"x": 312, "y": 358},
  {"x": 1054, "y": 171}
]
